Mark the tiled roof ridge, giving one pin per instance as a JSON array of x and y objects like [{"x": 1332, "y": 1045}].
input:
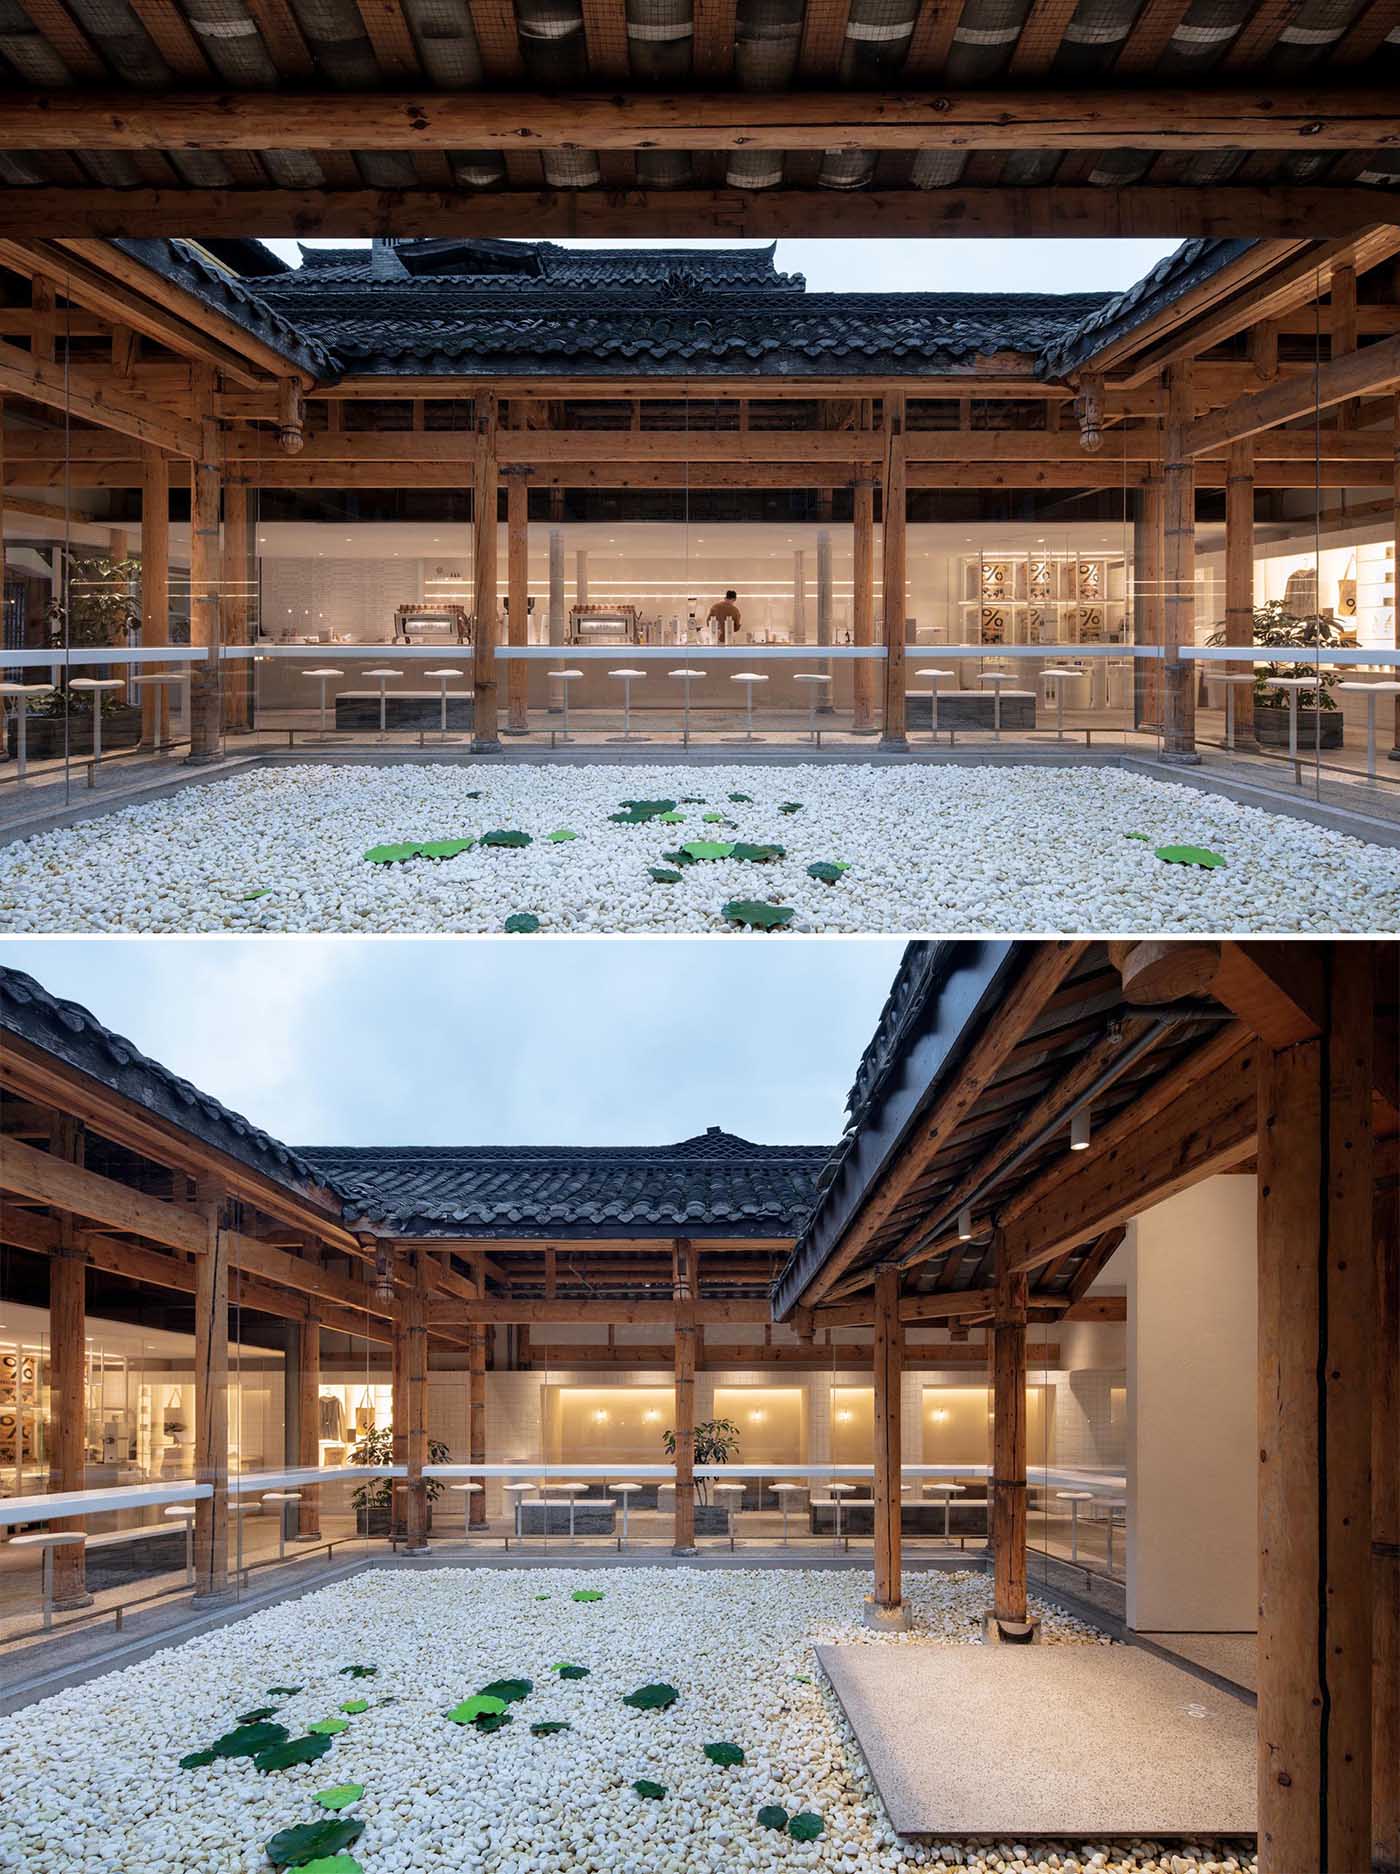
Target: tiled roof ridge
[
  {"x": 715, "y": 1146},
  {"x": 223, "y": 291}
]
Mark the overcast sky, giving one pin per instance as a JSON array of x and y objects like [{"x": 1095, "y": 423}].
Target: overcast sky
[
  {"x": 898, "y": 266},
  {"x": 515, "y": 1041}
]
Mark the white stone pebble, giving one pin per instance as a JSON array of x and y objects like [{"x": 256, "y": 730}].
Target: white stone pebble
[
  {"x": 91, "y": 1775},
  {"x": 993, "y": 849}
]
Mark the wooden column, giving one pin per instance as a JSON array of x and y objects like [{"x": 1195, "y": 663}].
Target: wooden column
[
  {"x": 2, "y": 506},
  {"x": 415, "y": 1303},
  {"x": 1239, "y": 578},
  {"x": 1343, "y": 322},
  {"x": 485, "y": 733},
  {"x": 155, "y": 586},
  {"x": 863, "y": 606},
  {"x": 476, "y": 1415},
  {"x": 1395, "y": 560},
  {"x": 1317, "y": 1306},
  {"x": 1009, "y": 1444},
  {"x": 236, "y": 607},
  {"x": 1148, "y": 625},
  {"x": 893, "y": 580},
  {"x": 211, "y": 1397},
  {"x": 309, "y": 1422},
  {"x": 685, "y": 1357},
  {"x": 398, "y": 1409},
  {"x": 1385, "y": 1537},
  {"x": 206, "y": 697},
  {"x": 67, "y": 1347},
  {"x": 886, "y": 1606},
  {"x": 1179, "y": 568},
  {"x": 518, "y": 591}
]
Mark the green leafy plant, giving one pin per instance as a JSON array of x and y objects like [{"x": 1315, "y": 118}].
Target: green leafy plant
[
  {"x": 806, "y": 1826},
  {"x": 393, "y": 855},
  {"x": 377, "y": 1447},
  {"x": 644, "y": 1787},
  {"x": 716, "y": 1442},
  {"x": 567, "y": 1671},
  {"x": 1276, "y": 628},
  {"x": 548, "y": 1726},
  {"x": 331, "y": 1864},
  {"x": 650, "y": 807},
  {"x": 339, "y": 1797},
  {"x": 679, "y": 857},
  {"x": 756, "y": 855},
  {"x": 329, "y": 1727},
  {"x": 652, "y": 1697},
  {"x": 664, "y": 875},
  {"x": 103, "y": 609},
  {"x": 726, "y": 1755},
  {"x": 290, "y": 1847},
  {"x": 445, "y": 848},
  {"x": 369, "y": 1672},
  {"x": 480, "y": 1705},
  {"x": 500, "y": 836},
  {"x": 773, "y": 1815},
  {"x": 757, "y": 914},
  {"x": 707, "y": 848},
  {"x": 196, "y": 1759},
  {"x": 586, "y": 1594},
  {"x": 248, "y": 1740},
  {"x": 492, "y": 1721},
  {"x": 299, "y": 1750},
  {"x": 508, "y": 1689},
  {"x": 521, "y": 924},
  {"x": 1190, "y": 855}
]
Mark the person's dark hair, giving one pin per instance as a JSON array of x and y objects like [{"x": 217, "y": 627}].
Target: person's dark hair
[{"x": 731, "y": 595}]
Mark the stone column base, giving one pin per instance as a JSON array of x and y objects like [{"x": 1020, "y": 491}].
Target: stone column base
[
  {"x": 1180, "y": 759},
  {"x": 64, "y": 1603},
  {"x": 885, "y": 1618},
  {"x": 894, "y": 745},
  {"x": 1009, "y": 1632},
  {"x": 485, "y": 748}
]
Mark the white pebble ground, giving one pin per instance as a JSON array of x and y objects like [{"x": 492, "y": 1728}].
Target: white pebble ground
[
  {"x": 929, "y": 849},
  {"x": 91, "y": 1776}
]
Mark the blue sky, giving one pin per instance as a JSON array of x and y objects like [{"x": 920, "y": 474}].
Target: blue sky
[
  {"x": 517, "y": 1041},
  {"x": 943, "y": 266}
]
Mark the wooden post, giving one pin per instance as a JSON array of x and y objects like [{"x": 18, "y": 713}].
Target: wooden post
[
  {"x": 476, "y": 1416},
  {"x": 1179, "y": 569},
  {"x": 205, "y": 580},
  {"x": 1009, "y": 1448},
  {"x": 1385, "y": 1538},
  {"x": 1395, "y": 557},
  {"x": 309, "y": 1423},
  {"x": 1343, "y": 321},
  {"x": 237, "y": 609},
  {"x": 2, "y": 507},
  {"x": 415, "y": 1327},
  {"x": 683, "y": 1539},
  {"x": 485, "y": 735},
  {"x": 1147, "y": 598},
  {"x": 67, "y": 1349},
  {"x": 1316, "y": 1324},
  {"x": 1239, "y": 579},
  {"x": 211, "y": 1397},
  {"x": 155, "y": 586},
  {"x": 894, "y": 556},
  {"x": 518, "y": 588},
  {"x": 885, "y": 1608},
  {"x": 863, "y": 606}
]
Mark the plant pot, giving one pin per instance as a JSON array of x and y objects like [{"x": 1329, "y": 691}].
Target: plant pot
[
  {"x": 1271, "y": 727},
  {"x": 47, "y": 737}
]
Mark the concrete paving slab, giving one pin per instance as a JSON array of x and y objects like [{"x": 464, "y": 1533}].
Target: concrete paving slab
[
  {"x": 1083, "y": 1742},
  {"x": 1232, "y": 1656}
]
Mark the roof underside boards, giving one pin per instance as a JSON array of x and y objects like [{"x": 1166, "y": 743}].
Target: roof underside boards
[{"x": 712, "y": 1186}]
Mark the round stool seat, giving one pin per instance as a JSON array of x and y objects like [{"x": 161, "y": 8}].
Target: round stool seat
[
  {"x": 623, "y": 1490},
  {"x": 1062, "y": 671},
  {"x": 1074, "y": 1496},
  {"x": 179, "y": 1509},
  {"x": 27, "y": 689},
  {"x": 383, "y": 673},
  {"x": 453, "y": 672},
  {"x": 945, "y": 1490},
  {"x": 167, "y": 676},
  {"x": 282, "y": 1496},
  {"x": 470, "y": 1490},
  {"x": 787, "y": 1489},
  {"x": 48, "y": 1537},
  {"x": 563, "y": 676},
  {"x": 520, "y": 1488},
  {"x": 1292, "y": 683},
  {"x": 748, "y": 676},
  {"x": 96, "y": 683},
  {"x": 1379, "y": 688},
  {"x": 842, "y": 1490},
  {"x": 323, "y": 670},
  {"x": 627, "y": 673},
  {"x": 685, "y": 673},
  {"x": 807, "y": 676},
  {"x": 729, "y": 1489},
  {"x": 997, "y": 676},
  {"x": 1243, "y": 676},
  {"x": 569, "y": 1489},
  {"x": 935, "y": 673}
]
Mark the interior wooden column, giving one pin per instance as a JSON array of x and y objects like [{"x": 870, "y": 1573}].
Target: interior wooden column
[
  {"x": 1148, "y": 627},
  {"x": 1317, "y": 1306},
  {"x": 485, "y": 729},
  {"x": 416, "y": 1399},
  {"x": 476, "y": 1416},
  {"x": 1009, "y": 1443},
  {"x": 67, "y": 1348},
  {"x": 211, "y": 1397},
  {"x": 887, "y": 1602},
  {"x": 398, "y": 1411},
  {"x": 236, "y": 608},
  {"x": 1239, "y": 579},
  {"x": 1385, "y": 1537},
  {"x": 155, "y": 586},
  {"x": 206, "y": 695},
  {"x": 2, "y": 499},
  {"x": 518, "y": 592},
  {"x": 1342, "y": 320},
  {"x": 1179, "y": 568},
  {"x": 894, "y": 558},
  {"x": 309, "y": 1422},
  {"x": 685, "y": 1358},
  {"x": 863, "y": 605},
  {"x": 1395, "y": 542}
]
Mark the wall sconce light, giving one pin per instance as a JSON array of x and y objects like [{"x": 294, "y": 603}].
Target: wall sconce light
[
  {"x": 1079, "y": 1131},
  {"x": 757, "y": 1418},
  {"x": 844, "y": 1416},
  {"x": 939, "y": 1414},
  {"x": 650, "y": 1416},
  {"x": 600, "y": 1417},
  {"x": 965, "y": 1224}
]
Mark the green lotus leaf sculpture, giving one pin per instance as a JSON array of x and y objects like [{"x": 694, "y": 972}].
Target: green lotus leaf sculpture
[
  {"x": 757, "y": 915},
  {"x": 257, "y": 1715},
  {"x": 567, "y": 1671},
  {"x": 742, "y": 797},
  {"x": 299, "y": 1750},
  {"x": 1142, "y": 836},
  {"x": 560, "y": 834},
  {"x": 713, "y": 819},
  {"x": 331, "y": 1864},
  {"x": 664, "y": 874},
  {"x": 354, "y": 1705},
  {"x": 290, "y": 1847},
  {"x": 707, "y": 848},
  {"x": 692, "y": 800},
  {"x": 790, "y": 806},
  {"x": 827, "y": 870},
  {"x": 283, "y": 1691},
  {"x": 773, "y": 1815},
  {"x": 630, "y": 817},
  {"x": 756, "y": 855},
  {"x": 508, "y": 1689},
  {"x": 393, "y": 855},
  {"x": 247, "y": 897},
  {"x": 197, "y": 1759},
  {"x": 445, "y": 848},
  {"x": 670, "y": 819},
  {"x": 482, "y": 1705},
  {"x": 521, "y": 924},
  {"x": 493, "y": 1721},
  {"x": 645, "y": 1788},
  {"x": 679, "y": 857},
  {"x": 339, "y": 1797},
  {"x": 359, "y": 1672},
  {"x": 1189, "y": 855},
  {"x": 329, "y": 1727},
  {"x": 806, "y": 1826},
  {"x": 504, "y": 836},
  {"x": 249, "y": 1739},
  {"x": 548, "y": 1726},
  {"x": 724, "y": 1754},
  {"x": 587, "y": 1594},
  {"x": 652, "y": 1697}
]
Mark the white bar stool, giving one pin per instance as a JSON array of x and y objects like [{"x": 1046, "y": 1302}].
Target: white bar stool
[
  {"x": 1059, "y": 675},
  {"x": 749, "y": 678},
  {"x": 21, "y": 692},
  {"x": 1113, "y": 1505},
  {"x": 95, "y": 686},
  {"x": 836, "y": 1492},
  {"x": 519, "y": 1492},
  {"x": 947, "y": 1492},
  {"x": 729, "y": 1492},
  {"x": 383, "y": 676},
  {"x": 280, "y": 1497},
  {"x": 238, "y": 1508},
  {"x": 783, "y": 1492},
  {"x": 816, "y": 679},
  {"x": 1294, "y": 686},
  {"x": 573, "y": 1491},
  {"x": 176, "y": 680},
  {"x": 935, "y": 678},
  {"x": 996, "y": 678},
  {"x": 47, "y": 1540},
  {"x": 565, "y": 677},
  {"x": 1371, "y": 691},
  {"x": 628, "y": 677},
  {"x": 1232, "y": 680},
  {"x": 1074, "y": 1498},
  {"x": 323, "y": 675},
  {"x": 686, "y": 677},
  {"x": 468, "y": 1491},
  {"x": 626, "y": 1492},
  {"x": 185, "y": 1513},
  {"x": 444, "y": 675}
]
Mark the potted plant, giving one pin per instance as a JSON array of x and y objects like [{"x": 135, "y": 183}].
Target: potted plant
[
  {"x": 716, "y": 1441},
  {"x": 373, "y": 1499},
  {"x": 1319, "y": 719},
  {"x": 102, "y": 611}
]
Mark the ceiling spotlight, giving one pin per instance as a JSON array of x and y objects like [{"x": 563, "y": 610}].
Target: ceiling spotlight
[
  {"x": 1079, "y": 1131},
  {"x": 965, "y": 1224}
]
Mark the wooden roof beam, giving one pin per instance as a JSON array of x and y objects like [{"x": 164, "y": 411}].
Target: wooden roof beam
[
  {"x": 93, "y": 399},
  {"x": 621, "y": 1312},
  {"x": 1359, "y": 373}
]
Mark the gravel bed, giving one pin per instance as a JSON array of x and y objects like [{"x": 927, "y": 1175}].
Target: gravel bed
[
  {"x": 91, "y": 1776},
  {"x": 929, "y": 849}
]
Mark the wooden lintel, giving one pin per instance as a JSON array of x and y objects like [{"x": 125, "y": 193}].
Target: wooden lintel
[
  {"x": 1371, "y": 368},
  {"x": 622, "y": 1311},
  {"x": 83, "y": 394}
]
